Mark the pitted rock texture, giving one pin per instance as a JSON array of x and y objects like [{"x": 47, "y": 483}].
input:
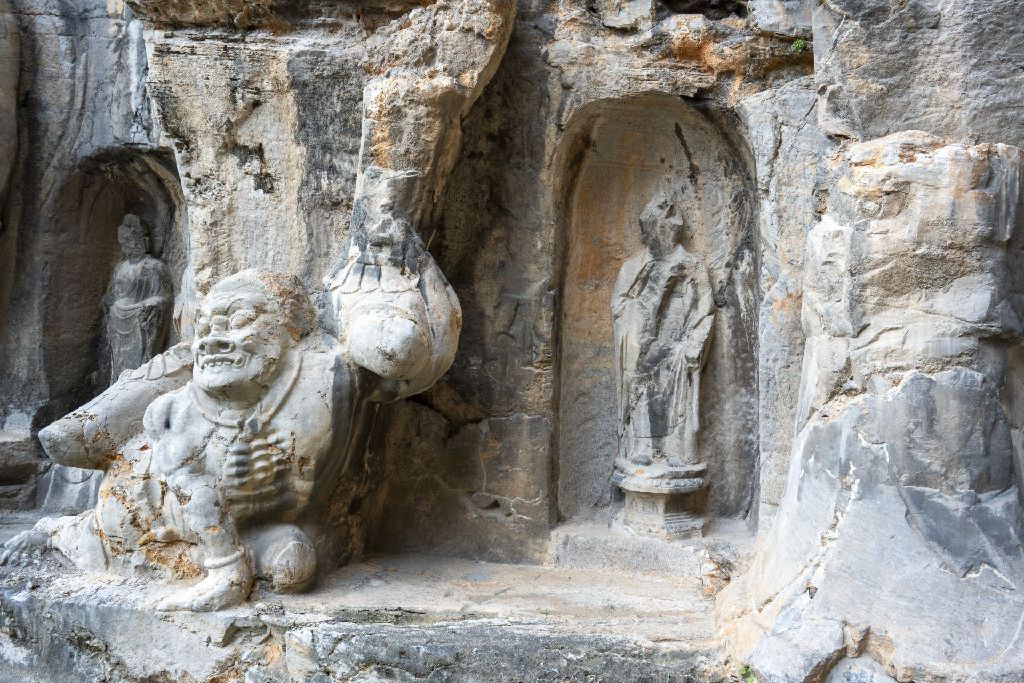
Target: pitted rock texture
[
  {"x": 849, "y": 174},
  {"x": 901, "y": 515}
]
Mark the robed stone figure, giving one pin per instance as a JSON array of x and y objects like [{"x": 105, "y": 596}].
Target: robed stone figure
[
  {"x": 663, "y": 311},
  {"x": 138, "y": 302},
  {"x": 137, "y": 316}
]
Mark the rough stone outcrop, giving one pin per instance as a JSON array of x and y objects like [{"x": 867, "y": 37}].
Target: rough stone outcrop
[
  {"x": 898, "y": 536},
  {"x": 950, "y": 69},
  {"x": 304, "y": 127}
]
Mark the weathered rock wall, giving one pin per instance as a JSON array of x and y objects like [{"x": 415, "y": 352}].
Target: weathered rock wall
[
  {"x": 792, "y": 180},
  {"x": 948, "y": 68},
  {"x": 901, "y": 513},
  {"x": 87, "y": 152},
  {"x": 267, "y": 142},
  {"x": 290, "y": 132},
  {"x": 864, "y": 288}
]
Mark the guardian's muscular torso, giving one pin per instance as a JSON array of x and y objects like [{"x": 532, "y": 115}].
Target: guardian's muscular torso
[{"x": 275, "y": 459}]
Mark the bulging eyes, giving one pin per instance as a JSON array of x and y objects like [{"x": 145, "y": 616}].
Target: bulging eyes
[
  {"x": 242, "y": 318},
  {"x": 221, "y": 323}
]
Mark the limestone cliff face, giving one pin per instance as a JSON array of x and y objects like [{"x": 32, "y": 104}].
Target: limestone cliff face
[
  {"x": 10, "y": 50},
  {"x": 848, "y": 173},
  {"x": 902, "y": 497},
  {"x": 288, "y": 132}
]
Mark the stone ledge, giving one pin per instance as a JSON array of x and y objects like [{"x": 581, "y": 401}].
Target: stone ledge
[
  {"x": 395, "y": 618},
  {"x": 597, "y": 546}
]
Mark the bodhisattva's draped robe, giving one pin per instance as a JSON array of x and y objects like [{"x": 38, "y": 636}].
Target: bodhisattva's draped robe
[
  {"x": 662, "y": 311},
  {"x": 139, "y": 307}
]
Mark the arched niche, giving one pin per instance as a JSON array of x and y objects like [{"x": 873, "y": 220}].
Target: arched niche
[
  {"x": 614, "y": 156},
  {"x": 83, "y": 252}
]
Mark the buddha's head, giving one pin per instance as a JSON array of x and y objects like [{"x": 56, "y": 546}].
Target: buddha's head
[{"x": 132, "y": 237}]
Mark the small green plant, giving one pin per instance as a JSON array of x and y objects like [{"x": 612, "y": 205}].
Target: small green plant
[
  {"x": 799, "y": 45},
  {"x": 747, "y": 674}
]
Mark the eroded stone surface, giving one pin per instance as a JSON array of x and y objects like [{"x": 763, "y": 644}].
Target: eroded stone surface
[
  {"x": 416, "y": 618},
  {"x": 860, "y": 400},
  {"x": 873, "y": 81},
  {"x": 901, "y": 515}
]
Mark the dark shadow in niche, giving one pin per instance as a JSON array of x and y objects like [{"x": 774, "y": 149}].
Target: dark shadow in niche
[
  {"x": 613, "y": 158},
  {"x": 712, "y": 9},
  {"x": 82, "y": 253}
]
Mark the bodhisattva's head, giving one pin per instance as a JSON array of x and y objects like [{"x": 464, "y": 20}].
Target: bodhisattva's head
[
  {"x": 661, "y": 225},
  {"x": 133, "y": 237},
  {"x": 244, "y": 328}
]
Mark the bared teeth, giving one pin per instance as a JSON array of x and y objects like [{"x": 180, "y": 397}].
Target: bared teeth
[{"x": 221, "y": 361}]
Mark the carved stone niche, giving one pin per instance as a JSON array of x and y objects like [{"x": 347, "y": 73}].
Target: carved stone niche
[
  {"x": 113, "y": 303},
  {"x": 657, "y": 377},
  {"x": 138, "y": 309}
]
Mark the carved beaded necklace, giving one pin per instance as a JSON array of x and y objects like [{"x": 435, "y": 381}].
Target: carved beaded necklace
[{"x": 259, "y": 417}]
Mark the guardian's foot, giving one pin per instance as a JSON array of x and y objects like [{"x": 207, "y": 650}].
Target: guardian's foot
[
  {"x": 24, "y": 548},
  {"x": 225, "y": 585}
]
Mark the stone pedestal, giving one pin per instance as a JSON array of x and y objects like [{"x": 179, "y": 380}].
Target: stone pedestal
[{"x": 663, "y": 502}]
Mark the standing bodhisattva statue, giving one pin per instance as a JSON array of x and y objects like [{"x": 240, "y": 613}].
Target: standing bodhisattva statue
[
  {"x": 662, "y": 312},
  {"x": 138, "y": 303}
]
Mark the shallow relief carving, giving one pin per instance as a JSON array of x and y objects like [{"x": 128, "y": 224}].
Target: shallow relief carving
[{"x": 220, "y": 457}]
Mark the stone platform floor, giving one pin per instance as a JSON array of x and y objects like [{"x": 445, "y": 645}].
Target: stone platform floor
[{"x": 393, "y": 618}]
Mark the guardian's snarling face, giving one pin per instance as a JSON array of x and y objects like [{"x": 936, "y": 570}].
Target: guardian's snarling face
[{"x": 243, "y": 329}]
